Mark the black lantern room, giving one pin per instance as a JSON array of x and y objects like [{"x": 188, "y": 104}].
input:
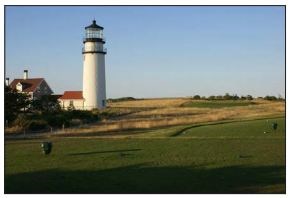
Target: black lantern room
[{"x": 94, "y": 33}]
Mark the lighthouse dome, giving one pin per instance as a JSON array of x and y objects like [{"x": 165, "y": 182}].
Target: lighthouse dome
[{"x": 94, "y": 26}]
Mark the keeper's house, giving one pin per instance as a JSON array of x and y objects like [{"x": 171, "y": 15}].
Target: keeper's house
[
  {"x": 34, "y": 87},
  {"x": 72, "y": 100}
]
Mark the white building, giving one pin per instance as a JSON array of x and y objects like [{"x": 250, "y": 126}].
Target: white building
[
  {"x": 94, "y": 81},
  {"x": 34, "y": 87},
  {"x": 72, "y": 99}
]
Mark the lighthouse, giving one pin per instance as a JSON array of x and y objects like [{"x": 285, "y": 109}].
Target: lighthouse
[{"x": 94, "y": 81}]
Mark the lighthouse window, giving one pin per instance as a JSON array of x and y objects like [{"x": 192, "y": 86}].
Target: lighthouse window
[{"x": 103, "y": 103}]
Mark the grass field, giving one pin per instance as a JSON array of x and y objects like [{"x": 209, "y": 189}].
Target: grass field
[
  {"x": 158, "y": 113},
  {"x": 219, "y": 157}
]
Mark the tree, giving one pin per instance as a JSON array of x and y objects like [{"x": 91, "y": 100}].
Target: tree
[
  {"x": 211, "y": 97},
  {"x": 249, "y": 97},
  {"x": 46, "y": 104},
  {"x": 227, "y": 97},
  {"x": 219, "y": 97},
  {"x": 270, "y": 98},
  {"x": 14, "y": 103},
  {"x": 196, "y": 97},
  {"x": 235, "y": 97},
  {"x": 243, "y": 97},
  {"x": 22, "y": 121}
]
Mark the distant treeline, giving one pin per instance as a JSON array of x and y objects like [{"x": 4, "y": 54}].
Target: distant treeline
[
  {"x": 121, "y": 99},
  {"x": 235, "y": 97},
  {"x": 213, "y": 97}
]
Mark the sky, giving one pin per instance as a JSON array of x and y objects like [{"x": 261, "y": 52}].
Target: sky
[{"x": 153, "y": 51}]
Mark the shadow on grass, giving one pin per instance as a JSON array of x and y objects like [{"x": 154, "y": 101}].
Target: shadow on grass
[
  {"x": 180, "y": 132},
  {"x": 142, "y": 179},
  {"x": 101, "y": 152}
]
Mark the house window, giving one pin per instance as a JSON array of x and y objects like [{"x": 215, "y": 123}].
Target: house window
[
  {"x": 104, "y": 103},
  {"x": 71, "y": 103}
]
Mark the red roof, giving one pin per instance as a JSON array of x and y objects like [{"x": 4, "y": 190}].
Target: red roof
[
  {"x": 72, "y": 95},
  {"x": 28, "y": 85}
]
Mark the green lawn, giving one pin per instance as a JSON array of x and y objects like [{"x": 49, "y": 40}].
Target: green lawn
[
  {"x": 261, "y": 128},
  {"x": 222, "y": 158},
  {"x": 217, "y": 103}
]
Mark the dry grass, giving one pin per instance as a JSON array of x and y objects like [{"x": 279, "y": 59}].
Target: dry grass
[
  {"x": 149, "y": 103},
  {"x": 167, "y": 112},
  {"x": 12, "y": 130}
]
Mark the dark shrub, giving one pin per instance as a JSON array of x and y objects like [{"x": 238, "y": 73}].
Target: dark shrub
[
  {"x": 249, "y": 97},
  {"x": 83, "y": 115},
  {"x": 196, "y": 97},
  {"x": 57, "y": 120},
  {"x": 120, "y": 99},
  {"x": 219, "y": 97},
  {"x": 243, "y": 97},
  {"x": 75, "y": 122},
  {"x": 270, "y": 98},
  {"x": 38, "y": 125},
  {"x": 22, "y": 121},
  {"x": 227, "y": 97},
  {"x": 211, "y": 98}
]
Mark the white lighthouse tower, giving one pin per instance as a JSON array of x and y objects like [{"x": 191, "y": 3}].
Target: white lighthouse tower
[{"x": 94, "y": 82}]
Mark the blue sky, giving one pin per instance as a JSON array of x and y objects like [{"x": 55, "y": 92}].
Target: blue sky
[{"x": 167, "y": 51}]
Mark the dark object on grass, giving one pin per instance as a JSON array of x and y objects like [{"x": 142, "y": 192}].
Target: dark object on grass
[
  {"x": 274, "y": 125},
  {"x": 245, "y": 156},
  {"x": 46, "y": 147}
]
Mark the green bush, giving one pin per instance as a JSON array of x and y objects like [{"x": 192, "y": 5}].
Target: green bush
[
  {"x": 86, "y": 116},
  {"x": 211, "y": 98},
  {"x": 22, "y": 121},
  {"x": 121, "y": 99},
  {"x": 270, "y": 98},
  {"x": 38, "y": 125},
  {"x": 196, "y": 97},
  {"x": 57, "y": 120},
  {"x": 249, "y": 97},
  {"x": 75, "y": 122},
  {"x": 95, "y": 111}
]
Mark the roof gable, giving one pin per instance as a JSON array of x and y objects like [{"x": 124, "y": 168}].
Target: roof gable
[{"x": 28, "y": 85}]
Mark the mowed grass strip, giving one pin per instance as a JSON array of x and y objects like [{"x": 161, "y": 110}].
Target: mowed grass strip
[
  {"x": 217, "y": 103},
  {"x": 261, "y": 128},
  {"x": 168, "y": 165}
]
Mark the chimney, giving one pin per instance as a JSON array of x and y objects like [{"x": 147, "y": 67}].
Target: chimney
[
  {"x": 7, "y": 81},
  {"x": 25, "y": 75}
]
